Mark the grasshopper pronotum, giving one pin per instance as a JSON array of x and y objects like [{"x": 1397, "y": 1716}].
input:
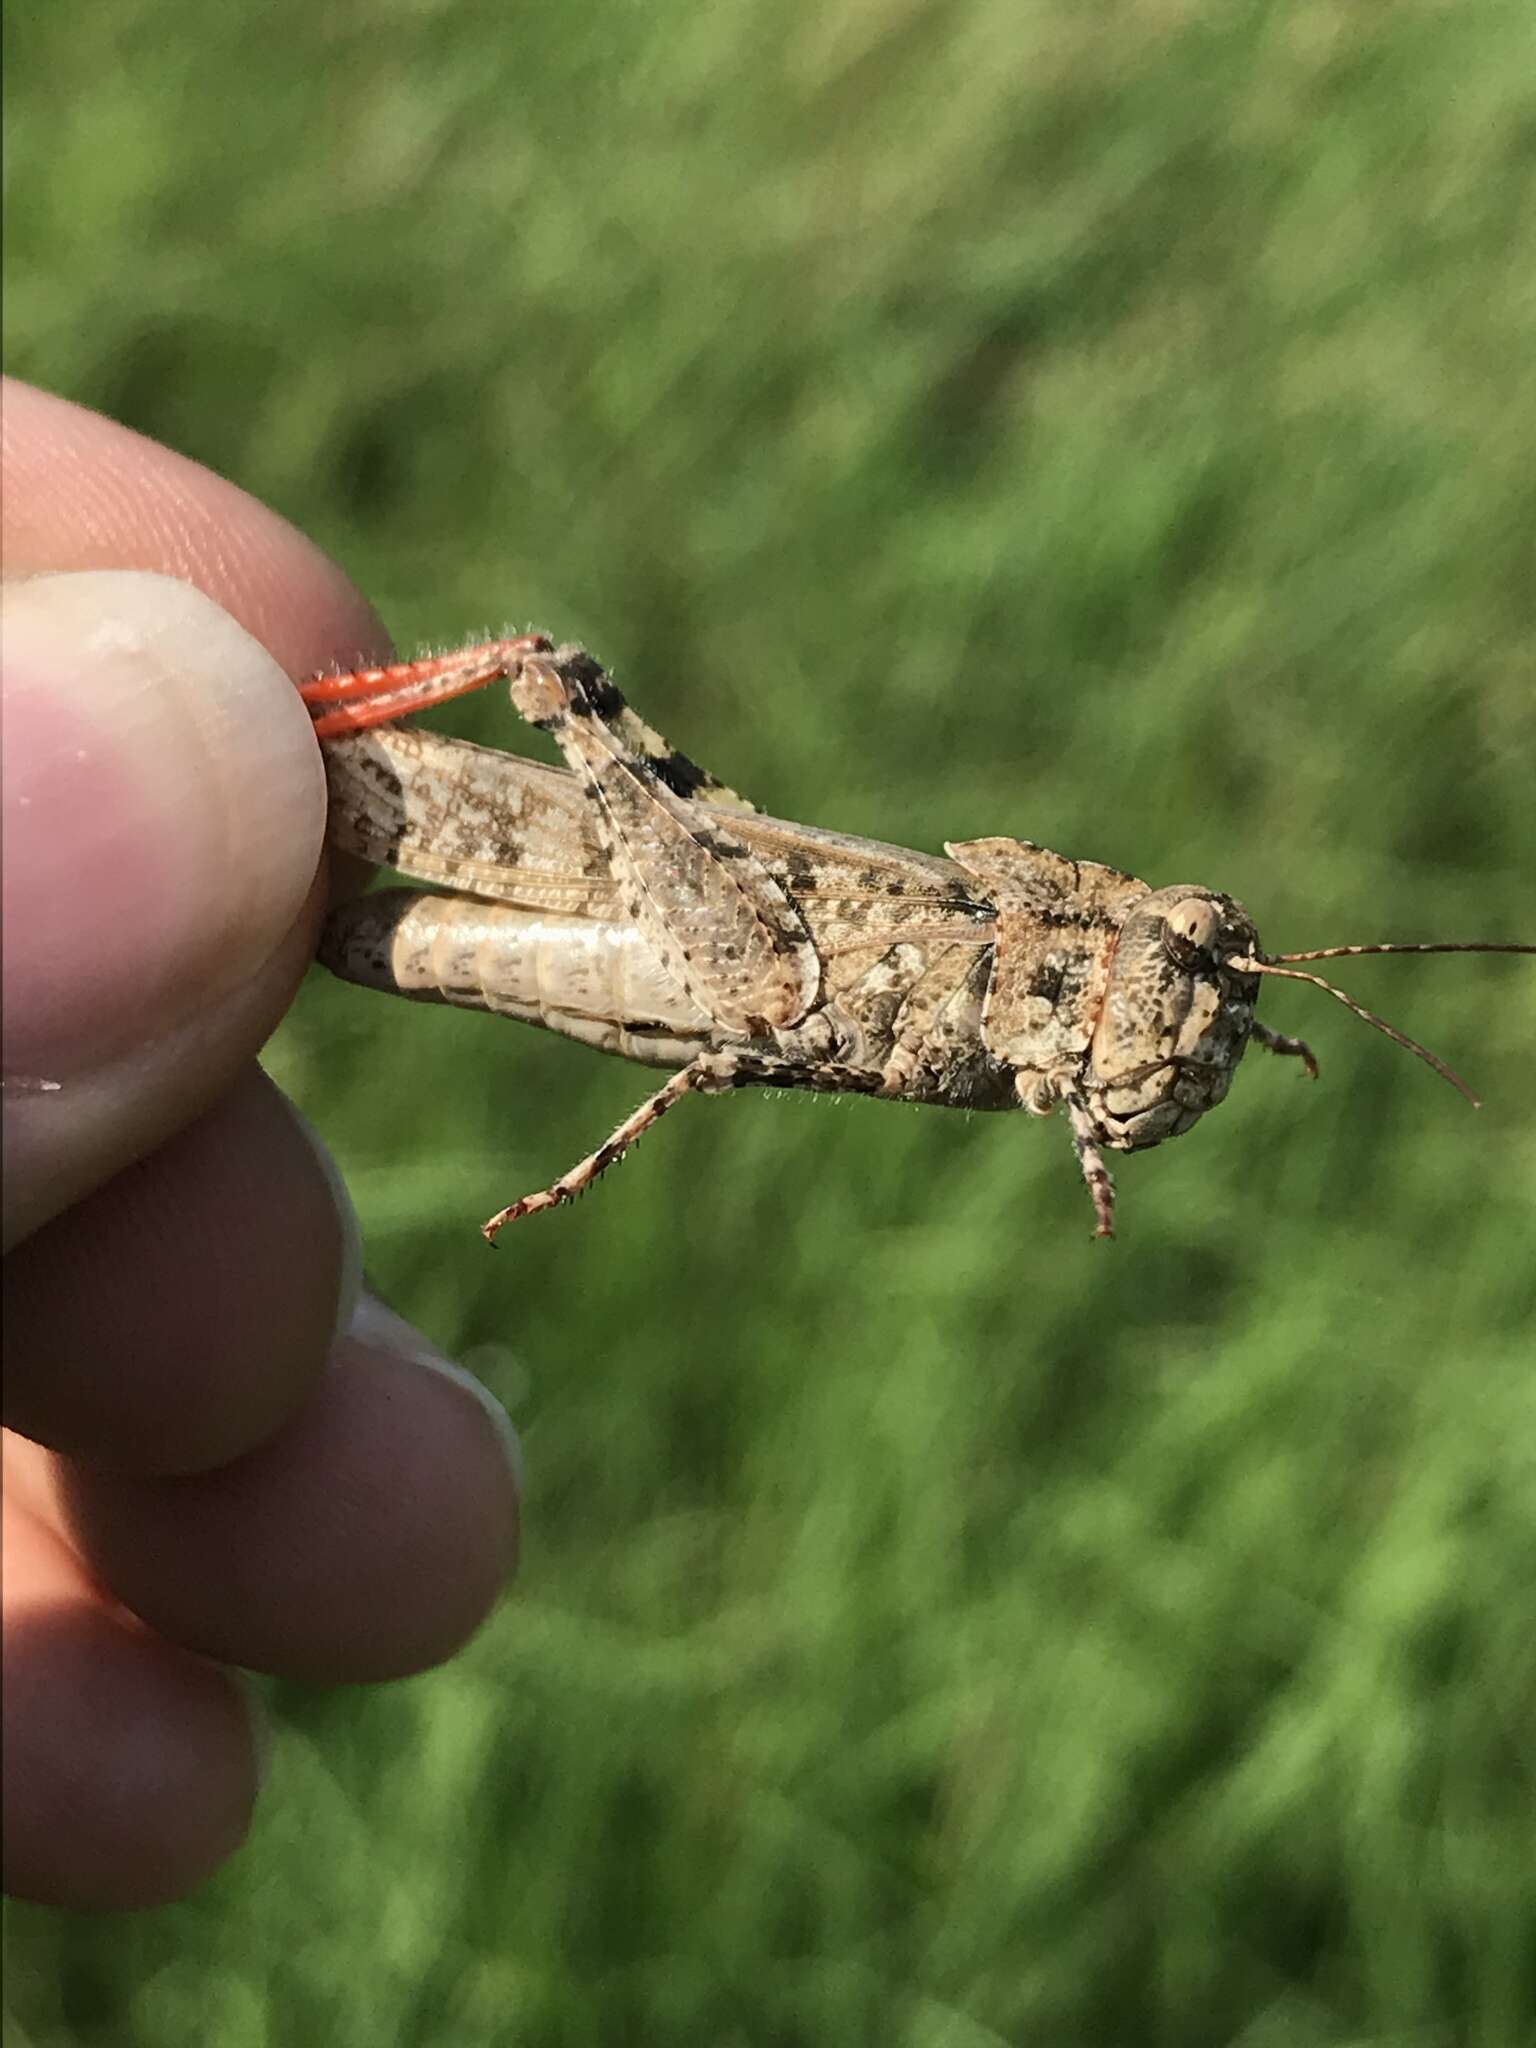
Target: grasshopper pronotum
[{"x": 638, "y": 905}]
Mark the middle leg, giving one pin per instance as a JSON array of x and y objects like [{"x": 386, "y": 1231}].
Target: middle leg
[
  {"x": 711, "y": 1073},
  {"x": 708, "y": 1074}
]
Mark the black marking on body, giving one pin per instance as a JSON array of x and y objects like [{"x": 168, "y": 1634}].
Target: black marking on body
[
  {"x": 1046, "y": 983},
  {"x": 590, "y": 688},
  {"x": 1077, "y": 920},
  {"x": 979, "y": 1082},
  {"x": 683, "y": 777},
  {"x": 794, "y": 870}
]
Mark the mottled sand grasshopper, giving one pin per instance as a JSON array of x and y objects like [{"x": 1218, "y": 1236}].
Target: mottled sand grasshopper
[{"x": 640, "y": 906}]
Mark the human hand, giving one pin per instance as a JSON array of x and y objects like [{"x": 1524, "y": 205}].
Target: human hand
[{"x": 219, "y": 1451}]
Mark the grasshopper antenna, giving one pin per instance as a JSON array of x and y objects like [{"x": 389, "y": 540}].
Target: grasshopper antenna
[{"x": 1278, "y": 965}]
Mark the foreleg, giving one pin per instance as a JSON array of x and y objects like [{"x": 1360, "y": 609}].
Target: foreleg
[
  {"x": 1091, "y": 1162},
  {"x": 1296, "y": 1048}
]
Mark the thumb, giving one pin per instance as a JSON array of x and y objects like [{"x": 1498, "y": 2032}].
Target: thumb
[{"x": 164, "y": 805}]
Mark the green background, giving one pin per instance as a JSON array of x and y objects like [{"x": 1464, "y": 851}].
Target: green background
[{"x": 1109, "y": 425}]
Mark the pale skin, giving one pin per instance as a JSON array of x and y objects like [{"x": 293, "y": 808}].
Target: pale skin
[{"x": 235, "y": 1496}]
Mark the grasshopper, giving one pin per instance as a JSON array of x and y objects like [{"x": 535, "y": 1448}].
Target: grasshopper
[{"x": 633, "y": 902}]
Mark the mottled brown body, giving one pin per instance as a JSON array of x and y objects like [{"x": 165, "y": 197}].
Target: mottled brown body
[
  {"x": 634, "y": 903},
  {"x": 900, "y": 941}
]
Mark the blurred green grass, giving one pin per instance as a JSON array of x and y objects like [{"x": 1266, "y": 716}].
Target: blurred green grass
[{"x": 1109, "y": 426}]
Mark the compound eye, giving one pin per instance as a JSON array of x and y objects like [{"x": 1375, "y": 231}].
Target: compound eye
[{"x": 1189, "y": 932}]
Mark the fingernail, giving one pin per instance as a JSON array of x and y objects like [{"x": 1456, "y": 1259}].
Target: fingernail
[
  {"x": 164, "y": 805},
  {"x": 349, "y": 1287},
  {"x": 381, "y": 1329}
]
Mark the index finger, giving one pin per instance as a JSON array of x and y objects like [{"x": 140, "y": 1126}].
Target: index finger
[
  {"x": 82, "y": 492},
  {"x": 160, "y": 884}
]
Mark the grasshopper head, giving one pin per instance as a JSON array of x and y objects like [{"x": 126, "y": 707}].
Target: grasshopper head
[
  {"x": 1176, "y": 1014},
  {"x": 1175, "y": 1017}
]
